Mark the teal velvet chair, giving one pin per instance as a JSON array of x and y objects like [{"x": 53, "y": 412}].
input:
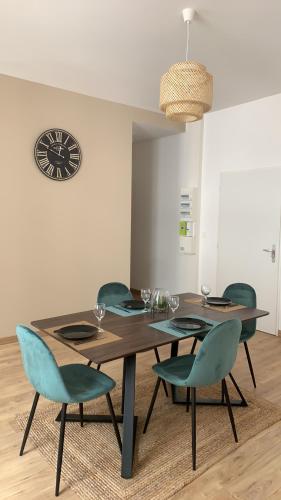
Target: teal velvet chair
[
  {"x": 211, "y": 365},
  {"x": 112, "y": 294},
  {"x": 66, "y": 384},
  {"x": 244, "y": 294}
]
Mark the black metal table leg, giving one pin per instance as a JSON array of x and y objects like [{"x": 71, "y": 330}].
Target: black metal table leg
[
  {"x": 128, "y": 417},
  {"x": 174, "y": 352},
  {"x": 123, "y": 386}
]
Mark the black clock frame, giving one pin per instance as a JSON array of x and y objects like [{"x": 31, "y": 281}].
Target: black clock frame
[{"x": 57, "y": 154}]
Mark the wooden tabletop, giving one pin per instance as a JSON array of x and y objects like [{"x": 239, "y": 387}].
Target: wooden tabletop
[{"x": 134, "y": 333}]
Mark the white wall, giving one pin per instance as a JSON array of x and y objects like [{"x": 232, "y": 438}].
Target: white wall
[
  {"x": 160, "y": 169},
  {"x": 247, "y": 136}
]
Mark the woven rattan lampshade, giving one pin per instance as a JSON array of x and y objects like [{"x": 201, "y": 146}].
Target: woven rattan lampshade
[{"x": 186, "y": 91}]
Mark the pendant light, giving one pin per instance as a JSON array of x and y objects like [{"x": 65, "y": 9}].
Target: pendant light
[{"x": 186, "y": 90}]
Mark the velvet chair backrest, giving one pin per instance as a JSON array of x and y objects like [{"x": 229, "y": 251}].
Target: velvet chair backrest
[
  {"x": 40, "y": 365},
  {"x": 216, "y": 355},
  {"x": 242, "y": 293},
  {"x": 111, "y": 294}
]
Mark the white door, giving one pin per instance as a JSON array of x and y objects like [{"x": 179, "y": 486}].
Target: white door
[{"x": 249, "y": 224}]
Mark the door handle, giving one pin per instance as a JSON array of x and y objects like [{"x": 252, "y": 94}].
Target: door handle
[{"x": 272, "y": 252}]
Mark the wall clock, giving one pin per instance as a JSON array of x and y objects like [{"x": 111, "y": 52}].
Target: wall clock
[{"x": 57, "y": 154}]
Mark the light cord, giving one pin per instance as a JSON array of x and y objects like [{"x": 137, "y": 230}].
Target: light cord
[{"x": 187, "y": 39}]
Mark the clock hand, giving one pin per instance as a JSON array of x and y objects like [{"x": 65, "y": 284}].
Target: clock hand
[{"x": 53, "y": 151}]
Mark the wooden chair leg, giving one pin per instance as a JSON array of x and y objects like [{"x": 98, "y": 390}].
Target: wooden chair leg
[
  {"x": 159, "y": 361},
  {"x": 29, "y": 422},
  {"x": 81, "y": 414},
  {"x": 193, "y": 346},
  {"x": 250, "y": 363},
  {"x": 60, "y": 450},
  {"x": 98, "y": 367},
  {"x": 231, "y": 418},
  {"x": 114, "y": 422},
  {"x": 193, "y": 419},
  {"x": 151, "y": 404}
]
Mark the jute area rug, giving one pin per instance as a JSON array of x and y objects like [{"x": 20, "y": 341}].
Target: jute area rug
[{"x": 91, "y": 462}]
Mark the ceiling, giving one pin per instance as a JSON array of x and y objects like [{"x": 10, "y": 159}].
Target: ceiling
[{"x": 118, "y": 49}]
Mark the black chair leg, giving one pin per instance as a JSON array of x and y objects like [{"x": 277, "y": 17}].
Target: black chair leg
[
  {"x": 231, "y": 418},
  {"x": 193, "y": 346},
  {"x": 151, "y": 404},
  {"x": 159, "y": 361},
  {"x": 81, "y": 414},
  {"x": 193, "y": 407},
  {"x": 114, "y": 422},
  {"x": 90, "y": 362},
  {"x": 29, "y": 422},
  {"x": 250, "y": 363},
  {"x": 98, "y": 367},
  {"x": 60, "y": 450},
  {"x": 187, "y": 398}
]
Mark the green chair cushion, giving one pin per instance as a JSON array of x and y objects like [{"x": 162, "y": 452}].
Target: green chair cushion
[
  {"x": 84, "y": 383},
  {"x": 175, "y": 370}
]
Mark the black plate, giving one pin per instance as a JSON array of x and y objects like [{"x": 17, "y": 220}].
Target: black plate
[
  {"x": 74, "y": 332},
  {"x": 188, "y": 323},
  {"x": 132, "y": 304},
  {"x": 218, "y": 301}
]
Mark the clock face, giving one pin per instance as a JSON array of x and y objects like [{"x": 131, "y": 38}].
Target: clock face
[{"x": 57, "y": 154}]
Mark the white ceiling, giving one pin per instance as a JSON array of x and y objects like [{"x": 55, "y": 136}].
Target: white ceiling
[{"x": 118, "y": 49}]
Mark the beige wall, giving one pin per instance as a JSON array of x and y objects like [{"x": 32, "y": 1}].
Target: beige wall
[{"x": 61, "y": 240}]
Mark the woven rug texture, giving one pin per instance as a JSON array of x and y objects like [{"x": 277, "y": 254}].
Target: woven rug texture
[{"x": 163, "y": 464}]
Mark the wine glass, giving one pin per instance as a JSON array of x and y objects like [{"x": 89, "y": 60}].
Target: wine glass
[
  {"x": 145, "y": 295},
  {"x": 205, "y": 290},
  {"x": 174, "y": 302},
  {"x": 99, "y": 312}
]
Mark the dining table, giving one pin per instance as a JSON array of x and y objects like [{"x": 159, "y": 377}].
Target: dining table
[{"x": 128, "y": 335}]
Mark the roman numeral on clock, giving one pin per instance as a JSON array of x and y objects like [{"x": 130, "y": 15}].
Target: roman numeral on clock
[
  {"x": 74, "y": 156},
  {"x": 50, "y": 137},
  {"x": 73, "y": 165},
  {"x": 42, "y": 154},
  {"x": 58, "y": 136},
  {"x": 59, "y": 176},
  {"x": 72, "y": 147},
  {"x": 50, "y": 170},
  {"x": 44, "y": 162}
]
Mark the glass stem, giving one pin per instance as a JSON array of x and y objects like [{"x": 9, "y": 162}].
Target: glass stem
[{"x": 99, "y": 322}]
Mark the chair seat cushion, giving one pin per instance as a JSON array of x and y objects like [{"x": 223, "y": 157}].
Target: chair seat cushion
[
  {"x": 84, "y": 383},
  {"x": 175, "y": 370}
]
